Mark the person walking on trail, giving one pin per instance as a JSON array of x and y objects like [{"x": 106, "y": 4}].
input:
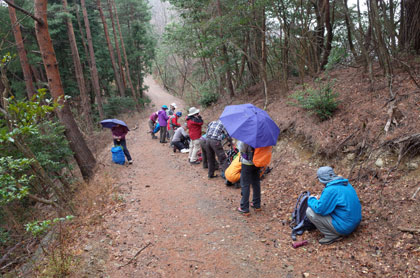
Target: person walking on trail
[
  {"x": 216, "y": 132},
  {"x": 337, "y": 212},
  {"x": 163, "y": 121},
  {"x": 173, "y": 125},
  {"x": 194, "y": 123},
  {"x": 118, "y": 133},
  {"x": 172, "y": 109},
  {"x": 177, "y": 141},
  {"x": 152, "y": 122},
  {"x": 249, "y": 176}
]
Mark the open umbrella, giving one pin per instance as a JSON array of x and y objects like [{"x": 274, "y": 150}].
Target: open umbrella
[
  {"x": 250, "y": 124},
  {"x": 110, "y": 123}
]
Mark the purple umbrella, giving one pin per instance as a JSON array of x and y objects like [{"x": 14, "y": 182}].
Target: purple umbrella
[
  {"x": 110, "y": 123},
  {"x": 250, "y": 124}
]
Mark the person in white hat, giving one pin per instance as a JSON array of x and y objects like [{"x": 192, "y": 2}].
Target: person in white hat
[
  {"x": 172, "y": 109},
  {"x": 194, "y": 123}
]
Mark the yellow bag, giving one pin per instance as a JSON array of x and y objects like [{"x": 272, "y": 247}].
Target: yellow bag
[{"x": 233, "y": 172}]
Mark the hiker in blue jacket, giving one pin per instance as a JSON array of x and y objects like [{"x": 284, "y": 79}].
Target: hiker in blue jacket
[{"x": 337, "y": 212}]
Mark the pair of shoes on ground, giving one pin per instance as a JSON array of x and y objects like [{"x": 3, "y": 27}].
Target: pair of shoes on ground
[
  {"x": 329, "y": 240},
  {"x": 195, "y": 162},
  {"x": 213, "y": 176}
]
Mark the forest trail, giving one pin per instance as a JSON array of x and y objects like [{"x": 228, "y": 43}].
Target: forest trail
[{"x": 187, "y": 224}]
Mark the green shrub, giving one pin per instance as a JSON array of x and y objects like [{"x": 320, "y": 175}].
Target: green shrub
[
  {"x": 320, "y": 100},
  {"x": 118, "y": 105},
  {"x": 208, "y": 94}
]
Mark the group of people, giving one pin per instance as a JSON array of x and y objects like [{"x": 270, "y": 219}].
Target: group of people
[{"x": 335, "y": 213}]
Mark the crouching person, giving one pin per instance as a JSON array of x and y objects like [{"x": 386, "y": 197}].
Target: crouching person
[
  {"x": 338, "y": 211},
  {"x": 179, "y": 134}
]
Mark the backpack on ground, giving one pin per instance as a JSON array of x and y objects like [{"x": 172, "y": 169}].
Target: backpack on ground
[
  {"x": 300, "y": 221},
  {"x": 118, "y": 155},
  {"x": 262, "y": 156}
]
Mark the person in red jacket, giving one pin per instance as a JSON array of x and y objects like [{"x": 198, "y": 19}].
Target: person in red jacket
[
  {"x": 194, "y": 123},
  {"x": 173, "y": 125}
]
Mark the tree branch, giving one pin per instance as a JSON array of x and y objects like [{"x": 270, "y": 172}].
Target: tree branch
[{"x": 12, "y": 4}]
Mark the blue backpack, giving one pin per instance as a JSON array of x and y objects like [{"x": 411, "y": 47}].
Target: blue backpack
[
  {"x": 118, "y": 155},
  {"x": 300, "y": 221}
]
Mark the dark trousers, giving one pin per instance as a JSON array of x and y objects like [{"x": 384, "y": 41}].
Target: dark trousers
[
  {"x": 179, "y": 145},
  {"x": 163, "y": 130},
  {"x": 250, "y": 176},
  {"x": 213, "y": 148},
  {"x": 123, "y": 144},
  {"x": 203, "y": 153}
]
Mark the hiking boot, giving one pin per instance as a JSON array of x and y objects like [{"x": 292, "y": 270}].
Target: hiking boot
[
  {"x": 329, "y": 240},
  {"x": 256, "y": 209},
  {"x": 195, "y": 162},
  {"x": 228, "y": 183},
  {"x": 174, "y": 149},
  {"x": 243, "y": 212},
  {"x": 212, "y": 176},
  {"x": 130, "y": 161}
]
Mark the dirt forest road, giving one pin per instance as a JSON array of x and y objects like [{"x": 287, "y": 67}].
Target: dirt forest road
[{"x": 170, "y": 220}]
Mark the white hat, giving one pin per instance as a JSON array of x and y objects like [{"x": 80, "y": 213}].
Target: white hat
[
  {"x": 173, "y": 104},
  {"x": 193, "y": 111}
]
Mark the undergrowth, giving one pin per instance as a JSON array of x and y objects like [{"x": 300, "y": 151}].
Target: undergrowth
[{"x": 320, "y": 100}]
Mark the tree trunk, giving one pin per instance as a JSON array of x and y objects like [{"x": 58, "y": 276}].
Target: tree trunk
[
  {"x": 79, "y": 71},
  {"x": 82, "y": 154},
  {"x": 111, "y": 50},
  {"x": 130, "y": 82},
  {"x": 328, "y": 26},
  {"x": 225, "y": 57},
  {"x": 30, "y": 90},
  {"x": 117, "y": 46},
  {"x": 382, "y": 52},
  {"x": 82, "y": 36},
  {"x": 349, "y": 29},
  {"x": 264, "y": 59},
  {"x": 94, "y": 69},
  {"x": 410, "y": 25}
]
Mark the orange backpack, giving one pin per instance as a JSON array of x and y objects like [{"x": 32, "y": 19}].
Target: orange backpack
[{"x": 262, "y": 156}]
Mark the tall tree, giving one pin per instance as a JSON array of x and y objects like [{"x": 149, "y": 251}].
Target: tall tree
[
  {"x": 27, "y": 75},
  {"x": 410, "y": 25},
  {"x": 127, "y": 66},
  {"x": 82, "y": 154},
  {"x": 111, "y": 50},
  {"x": 79, "y": 71},
  {"x": 117, "y": 46},
  {"x": 328, "y": 26},
  {"x": 94, "y": 69}
]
